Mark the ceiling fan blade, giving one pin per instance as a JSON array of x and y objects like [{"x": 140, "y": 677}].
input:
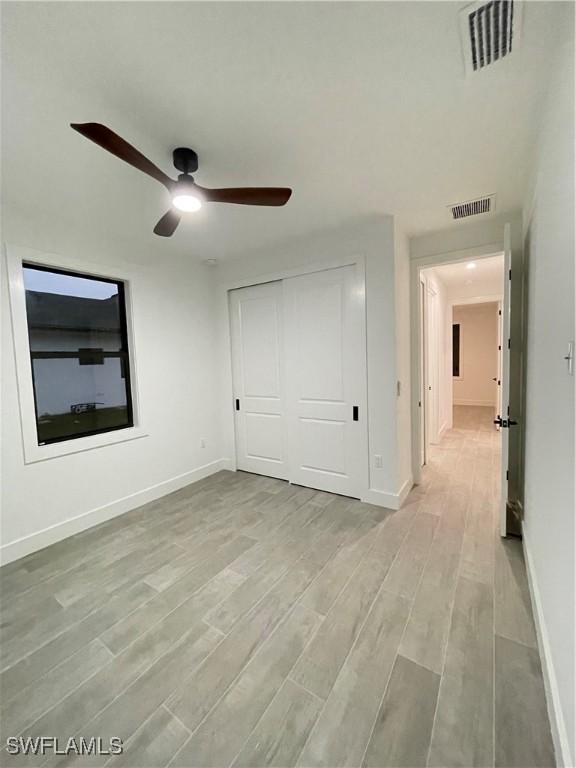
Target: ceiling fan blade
[
  {"x": 167, "y": 224},
  {"x": 115, "y": 144},
  {"x": 248, "y": 195}
]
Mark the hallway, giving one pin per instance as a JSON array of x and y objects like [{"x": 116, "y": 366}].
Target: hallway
[{"x": 491, "y": 697}]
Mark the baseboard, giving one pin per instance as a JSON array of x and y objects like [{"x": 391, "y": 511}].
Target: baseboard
[
  {"x": 35, "y": 541},
  {"x": 405, "y": 490},
  {"x": 387, "y": 499},
  {"x": 555, "y": 714},
  {"x": 483, "y": 403}
]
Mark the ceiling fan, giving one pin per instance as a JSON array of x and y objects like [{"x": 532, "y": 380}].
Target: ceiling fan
[{"x": 187, "y": 196}]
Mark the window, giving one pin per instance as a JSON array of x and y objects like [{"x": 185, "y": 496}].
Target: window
[
  {"x": 456, "y": 350},
  {"x": 79, "y": 353}
]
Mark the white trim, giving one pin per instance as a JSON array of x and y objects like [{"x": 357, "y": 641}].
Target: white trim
[
  {"x": 35, "y": 541},
  {"x": 405, "y": 489},
  {"x": 489, "y": 299},
  {"x": 416, "y": 266},
  {"x": 303, "y": 269},
  {"x": 33, "y": 452},
  {"x": 462, "y": 254},
  {"x": 385, "y": 498},
  {"x": 555, "y": 714},
  {"x": 483, "y": 403}
]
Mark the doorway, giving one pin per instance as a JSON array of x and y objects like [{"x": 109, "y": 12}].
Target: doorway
[
  {"x": 476, "y": 356},
  {"x": 460, "y": 328},
  {"x": 299, "y": 377}
]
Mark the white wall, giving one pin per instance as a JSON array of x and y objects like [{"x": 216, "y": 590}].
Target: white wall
[
  {"x": 403, "y": 410},
  {"x": 549, "y": 471},
  {"x": 478, "y": 354},
  {"x": 175, "y": 332},
  {"x": 372, "y": 238}
]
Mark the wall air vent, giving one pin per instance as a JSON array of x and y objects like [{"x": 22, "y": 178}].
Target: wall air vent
[
  {"x": 489, "y": 31},
  {"x": 473, "y": 207}
]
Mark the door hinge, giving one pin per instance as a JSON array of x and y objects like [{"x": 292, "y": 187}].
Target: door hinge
[
  {"x": 507, "y": 475},
  {"x": 508, "y": 343},
  {"x": 354, "y": 413},
  {"x": 499, "y": 312},
  {"x": 237, "y": 404},
  {"x": 509, "y": 274}
]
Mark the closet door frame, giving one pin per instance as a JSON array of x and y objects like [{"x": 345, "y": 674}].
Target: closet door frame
[{"x": 228, "y": 423}]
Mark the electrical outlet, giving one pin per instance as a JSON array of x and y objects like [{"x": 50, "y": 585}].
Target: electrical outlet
[{"x": 378, "y": 461}]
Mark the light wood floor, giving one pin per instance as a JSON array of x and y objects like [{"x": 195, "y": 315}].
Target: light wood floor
[{"x": 245, "y": 622}]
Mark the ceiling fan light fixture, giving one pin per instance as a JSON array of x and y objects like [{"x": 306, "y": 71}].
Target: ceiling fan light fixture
[
  {"x": 187, "y": 196},
  {"x": 187, "y": 203}
]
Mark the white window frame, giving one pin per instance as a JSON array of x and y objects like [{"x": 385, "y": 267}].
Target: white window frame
[{"x": 33, "y": 452}]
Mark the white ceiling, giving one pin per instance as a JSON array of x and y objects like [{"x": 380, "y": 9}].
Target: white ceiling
[
  {"x": 362, "y": 108},
  {"x": 482, "y": 281}
]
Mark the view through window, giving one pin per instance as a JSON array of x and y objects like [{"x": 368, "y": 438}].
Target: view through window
[{"x": 79, "y": 351}]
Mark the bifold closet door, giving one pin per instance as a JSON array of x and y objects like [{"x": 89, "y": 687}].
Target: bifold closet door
[
  {"x": 326, "y": 380},
  {"x": 258, "y": 370}
]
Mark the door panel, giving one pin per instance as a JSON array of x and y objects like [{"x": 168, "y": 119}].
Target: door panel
[
  {"x": 257, "y": 360},
  {"x": 423, "y": 375},
  {"x": 505, "y": 388},
  {"x": 326, "y": 365},
  {"x": 432, "y": 366}
]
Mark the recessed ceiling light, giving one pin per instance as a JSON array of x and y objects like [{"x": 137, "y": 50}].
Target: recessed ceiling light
[{"x": 471, "y": 265}]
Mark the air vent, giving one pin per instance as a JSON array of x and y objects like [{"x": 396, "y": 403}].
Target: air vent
[
  {"x": 489, "y": 31},
  {"x": 473, "y": 207}
]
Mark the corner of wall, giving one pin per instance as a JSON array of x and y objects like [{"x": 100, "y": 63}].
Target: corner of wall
[{"x": 403, "y": 360}]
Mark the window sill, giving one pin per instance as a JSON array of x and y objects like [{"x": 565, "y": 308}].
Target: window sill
[{"x": 34, "y": 452}]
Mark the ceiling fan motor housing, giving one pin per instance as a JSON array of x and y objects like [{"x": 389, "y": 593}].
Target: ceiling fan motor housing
[{"x": 185, "y": 160}]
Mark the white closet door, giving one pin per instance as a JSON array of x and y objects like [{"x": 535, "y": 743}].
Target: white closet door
[
  {"x": 326, "y": 380},
  {"x": 257, "y": 359}
]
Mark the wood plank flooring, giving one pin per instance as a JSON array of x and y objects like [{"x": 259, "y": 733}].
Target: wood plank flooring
[{"x": 245, "y": 622}]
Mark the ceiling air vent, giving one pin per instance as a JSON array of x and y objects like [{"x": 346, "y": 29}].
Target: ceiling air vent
[
  {"x": 473, "y": 207},
  {"x": 489, "y": 31}
]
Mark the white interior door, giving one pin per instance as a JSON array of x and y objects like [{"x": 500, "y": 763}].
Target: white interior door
[
  {"x": 504, "y": 415},
  {"x": 432, "y": 366},
  {"x": 423, "y": 361},
  {"x": 499, "y": 363},
  {"x": 258, "y": 361},
  {"x": 326, "y": 380}
]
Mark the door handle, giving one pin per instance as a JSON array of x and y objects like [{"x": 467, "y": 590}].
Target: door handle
[
  {"x": 354, "y": 413},
  {"x": 505, "y": 423}
]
